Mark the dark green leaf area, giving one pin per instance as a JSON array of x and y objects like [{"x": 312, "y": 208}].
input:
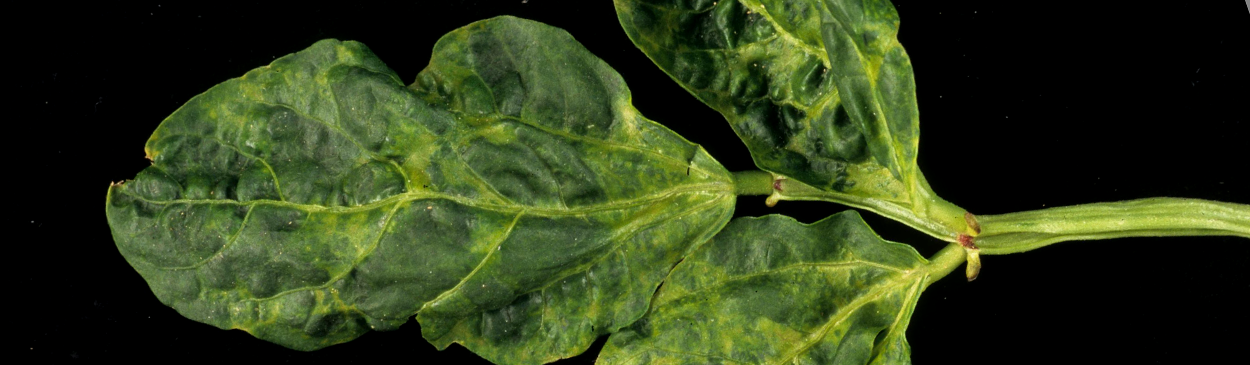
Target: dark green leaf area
[
  {"x": 771, "y": 290},
  {"x": 318, "y": 197},
  {"x": 819, "y": 91},
  {"x": 505, "y": 69}
]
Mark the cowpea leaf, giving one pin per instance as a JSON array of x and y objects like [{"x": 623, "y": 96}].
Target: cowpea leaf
[
  {"x": 513, "y": 198},
  {"x": 509, "y": 66},
  {"x": 848, "y": 297},
  {"x": 819, "y": 90}
]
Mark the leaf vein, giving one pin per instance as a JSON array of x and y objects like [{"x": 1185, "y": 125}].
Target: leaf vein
[
  {"x": 485, "y": 259},
  {"x": 276, "y": 184},
  {"x": 797, "y": 266},
  {"x": 386, "y": 224},
  {"x": 229, "y": 242},
  {"x": 716, "y": 188},
  {"x": 845, "y": 313}
]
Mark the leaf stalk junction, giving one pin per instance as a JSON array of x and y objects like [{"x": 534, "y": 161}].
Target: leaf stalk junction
[{"x": 1001, "y": 234}]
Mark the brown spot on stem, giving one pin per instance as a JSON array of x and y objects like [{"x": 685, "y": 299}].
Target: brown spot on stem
[
  {"x": 972, "y": 222},
  {"x": 777, "y": 184},
  {"x": 966, "y": 241}
]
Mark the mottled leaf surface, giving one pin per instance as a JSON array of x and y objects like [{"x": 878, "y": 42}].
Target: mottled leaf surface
[
  {"x": 771, "y": 290},
  {"x": 820, "y": 91},
  {"x": 513, "y": 197}
]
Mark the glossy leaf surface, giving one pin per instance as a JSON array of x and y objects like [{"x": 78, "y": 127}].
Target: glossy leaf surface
[
  {"x": 771, "y": 290},
  {"x": 820, "y": 92},
  {"x": 513, "y": 197}
]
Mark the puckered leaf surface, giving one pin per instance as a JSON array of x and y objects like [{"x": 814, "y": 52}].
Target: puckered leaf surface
[
  {"x": 820, "y": 92},
  {"x": 513, "y": 197},
  {"x": 771, "y": 290}
]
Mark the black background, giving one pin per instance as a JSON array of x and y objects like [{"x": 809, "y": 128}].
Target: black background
[{"x": 1024, "y": 105}]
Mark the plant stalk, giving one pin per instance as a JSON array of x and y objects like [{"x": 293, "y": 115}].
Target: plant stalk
[
  {"x": 754, "y": 182},
  {"x": 1025, "y": 231},
  {"x": 944, "y": 262},
  {"x": 927, "y": 213}
]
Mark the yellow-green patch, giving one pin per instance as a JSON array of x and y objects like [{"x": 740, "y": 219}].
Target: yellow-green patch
[{"x": 519, "y": 209}]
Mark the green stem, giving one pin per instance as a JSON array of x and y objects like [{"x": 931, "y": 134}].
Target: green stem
[
  {"x": 944, "y": 262},
  {"x": 1024, "y": 231},
  {"x": 928, "y": 213},
  {"x": 753, "y": 182}
]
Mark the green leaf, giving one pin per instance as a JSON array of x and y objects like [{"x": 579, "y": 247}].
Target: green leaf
[
  {"x": 820, "y": 92},
  {"x": 771, "y": 290},
  {"x": 513, "y": 198}
]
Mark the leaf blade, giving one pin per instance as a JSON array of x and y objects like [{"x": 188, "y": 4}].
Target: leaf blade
[
  {"x": 821, "y": 92},
  {"x": 317, "y": 198},
  {"x": 848, "y": 298}
]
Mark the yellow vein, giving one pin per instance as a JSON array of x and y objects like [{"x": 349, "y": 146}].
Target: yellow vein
[
  {"x": 595, "y": 141},
  {"x": 686, "y": 353},
  {"x": 852, "y": 264},
  {"x": 619, "y": 240},
  {"x": 489, "y": 254},
  {"x": 561, "y": 133},
  {"x": 389, "y": 75},
  {"x": 909, "y": 305},
  {"x": 715, "y": 188},
  {"x": 276, "y": 185},
  {"x": 479, "y": 181},
  {"x": 229, "y": 242},
  {"x": 386, "y": 224},
  {"x": 762, "y": 11},
  {"x": 843, "y": 314},
  {"x": 333, "y": 127}
]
